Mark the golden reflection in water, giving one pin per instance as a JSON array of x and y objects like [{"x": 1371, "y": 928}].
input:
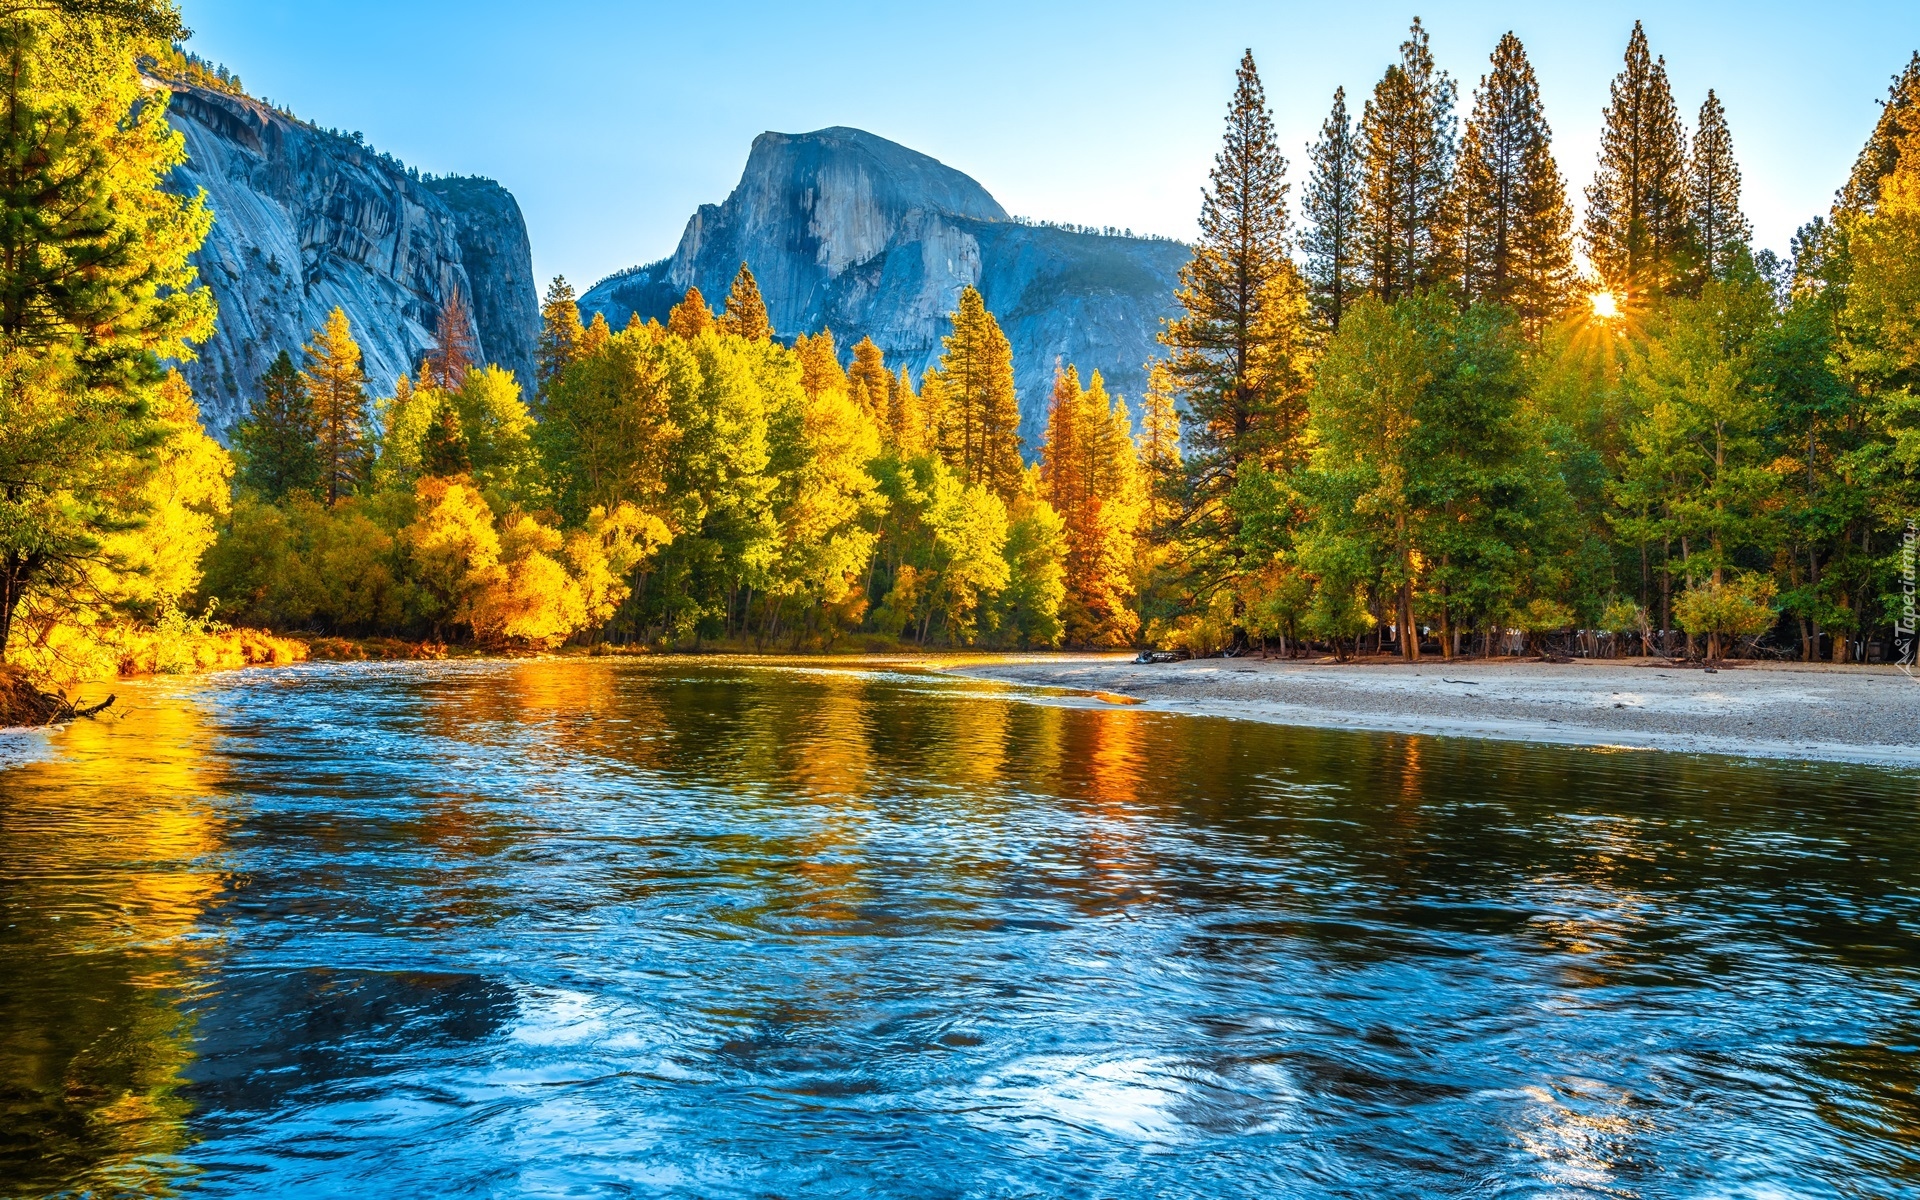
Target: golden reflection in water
[
  {"x": 114, "y": 861},
  {"x": 828, "y": 758},
  {"x": 1115, "y": 760}
]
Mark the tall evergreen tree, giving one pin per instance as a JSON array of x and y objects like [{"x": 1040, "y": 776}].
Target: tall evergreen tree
[
  {"x": 979, "y": 431},
  {"x": 746, "y": 311},
  {"x": 1158, "y": 443},
  {"x": 1899, "y": 116},
  {"x": 337, "y": 384},
  {"x": 820, "y": 370},
  {"x": 1242, "y": 298},
  {"x": 1335, "y": 266},
  {"x": 870, "y": 385},
  {"x": 1515, "y": 224},
  {"x": 691, "y": 317},
  {"x": 1636, "y": 226},
  {"x": 560, "y": 332},
  {"x": 1720, "y": 230},
  {"x": 453, "y": 342},
  {"x": 1407, "y": 147},
  {"x": 907, "y": 415},
  {"x": 278, "y": 445}
]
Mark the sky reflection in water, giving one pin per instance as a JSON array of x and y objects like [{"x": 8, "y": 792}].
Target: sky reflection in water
[{"x": 695, "y": 928}]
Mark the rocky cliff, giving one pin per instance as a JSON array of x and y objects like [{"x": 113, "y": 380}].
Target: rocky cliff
[
  {"x": 850, "y": 232},
  {"x": 305, "y": 220}
]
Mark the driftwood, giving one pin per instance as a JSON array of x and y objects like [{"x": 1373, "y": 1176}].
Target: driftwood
[{"x": 22, "y": 704}]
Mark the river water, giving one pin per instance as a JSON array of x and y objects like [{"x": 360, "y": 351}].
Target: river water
[{"x": 702, "y": 929}]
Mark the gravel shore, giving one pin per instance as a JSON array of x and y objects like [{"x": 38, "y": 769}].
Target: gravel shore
[{"x": 1845, "y": 714}]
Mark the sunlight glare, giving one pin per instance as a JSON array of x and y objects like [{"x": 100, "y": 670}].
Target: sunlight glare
[{"x": 1606, "y": 305}]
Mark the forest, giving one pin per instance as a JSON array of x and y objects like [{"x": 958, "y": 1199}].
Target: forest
[{"x": 1428, "y": 416}]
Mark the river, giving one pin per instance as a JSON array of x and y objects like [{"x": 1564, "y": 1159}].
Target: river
[{"x": 700, "y": 928}]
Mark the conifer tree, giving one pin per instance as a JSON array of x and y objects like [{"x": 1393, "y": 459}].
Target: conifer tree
[
  {"x": 1636, "y": 225},
  {"x": 453, "y": 342},
  {"x": 1332, "y": 202},
  {"x": 870, "y": 385},
  {"x": 1515, "y": 224},
  {"x": 1090, "y": 474},
  {"x": 907, "y": 415},
  {"x": 980, "y": 410},
  {"x": 279, "y": 449},
  {"x": 1407, "y": 147},
  {"x": 746, "y": 312},
  {"x": 560, "y": 332},
  {"x": 1238, "y": 292},
  {"x": 1899, "y": 117},
  {"x": 691, "y": 317},
  {"x": 337, "y": 384},
  {"x": 443, "y": 451},
  {"x": 1720, "y": 229},
  {"x": 1158, "y": 444},
  {"x": 820, "y": 370}
]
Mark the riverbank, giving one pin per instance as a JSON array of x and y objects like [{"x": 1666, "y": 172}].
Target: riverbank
[{"x": 1779, "y": 710}]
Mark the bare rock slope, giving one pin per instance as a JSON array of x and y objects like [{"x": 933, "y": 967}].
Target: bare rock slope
[{"x": 305, "y": 220}]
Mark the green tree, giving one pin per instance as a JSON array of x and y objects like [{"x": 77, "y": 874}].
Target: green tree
[
  {"x": 1238, "y": 347},
  {"x": 95, "y": 289},
  {"x": 1721, "y": 231},
  {"x": 1335, "y": 266},
  {"x": 1636, "y": 229},
  {"x": 277, "y": 444},
  {"x": 560, "y": 333},
  {"x": 1516, "y": 246},
  {"x": 337, "y": 386},
  {"x": 1899, "y": 117},
  {"x": 1407, "y": 149}
]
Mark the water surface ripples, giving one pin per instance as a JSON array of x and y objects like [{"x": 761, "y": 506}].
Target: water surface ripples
[{"x": 708, "y": 929}]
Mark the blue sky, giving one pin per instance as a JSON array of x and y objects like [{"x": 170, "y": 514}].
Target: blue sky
[{"x": 611, "y": 121}]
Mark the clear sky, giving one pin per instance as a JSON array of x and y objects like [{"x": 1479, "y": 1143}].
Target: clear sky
[{"x": 611, "y": 121}]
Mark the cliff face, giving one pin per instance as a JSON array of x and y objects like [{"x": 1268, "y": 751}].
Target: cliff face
[
  {"x": 306, "y": 220},
  {"x": 853, "y": 233}
]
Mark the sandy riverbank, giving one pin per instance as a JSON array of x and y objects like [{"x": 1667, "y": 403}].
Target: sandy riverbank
[{"x": 1846, "y": 714}]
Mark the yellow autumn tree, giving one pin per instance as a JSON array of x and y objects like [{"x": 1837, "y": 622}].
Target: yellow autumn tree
[
  {"x": 979, "y": 414},
  {"x": 746, "y": 311},
  {"x": 1092, "y": 480}
]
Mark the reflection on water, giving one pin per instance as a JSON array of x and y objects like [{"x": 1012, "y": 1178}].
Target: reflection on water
[{"x": 708, "y": 929}]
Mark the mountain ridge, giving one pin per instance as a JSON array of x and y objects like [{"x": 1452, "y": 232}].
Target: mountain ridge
[{"x": 848, "y": 231}]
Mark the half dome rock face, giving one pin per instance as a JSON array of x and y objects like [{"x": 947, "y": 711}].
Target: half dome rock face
[
  {"x": 305, "y": 220},
  {"x": 850, "y": 232}
]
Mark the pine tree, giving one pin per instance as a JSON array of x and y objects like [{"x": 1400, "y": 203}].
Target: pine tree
[
  {"x": 980, "y": 410},
  {"x": 1090, "y": 475},
  {"x": 1236, "y": 294},
  {"x": 820, "y": 370},
  {"x": 337, "y": 385},
  {"x": 1899, "y": 116},
  {"x": 278, "y": 446},
  {"x": 746, "y": 312},
  {"x": 1407, "y": 148},
  {"x": 1636, "y": 226},
  {"x": 691, "y": 317},
  {"x": 560, "y": 332},
  {"x": 1515, "y": 223},
  {"x": 453, "y": 342},
  {"x": 1332, "y": 202},
  {"x": 870, "y": 385},
  {"x": 907, "y": 415},
  {"x": 443, "y": 451},
  {"x": 1720, "y": 229},
  {"x": 1158, "y": 445}
]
